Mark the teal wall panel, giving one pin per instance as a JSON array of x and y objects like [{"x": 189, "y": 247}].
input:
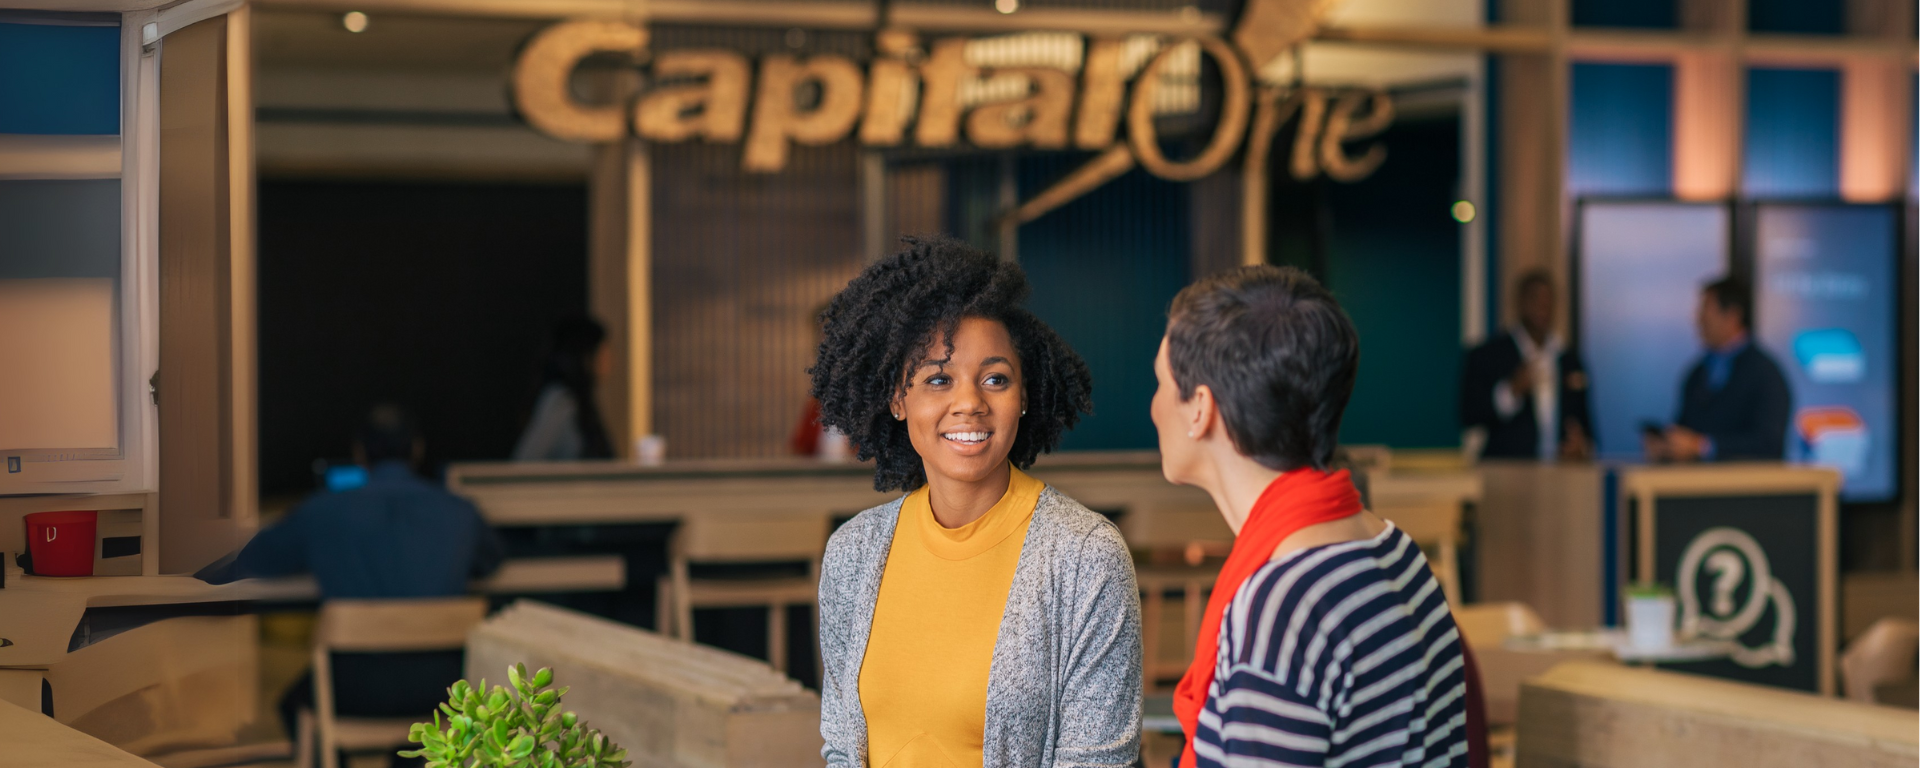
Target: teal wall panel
[{"x": 59, "y": 79}]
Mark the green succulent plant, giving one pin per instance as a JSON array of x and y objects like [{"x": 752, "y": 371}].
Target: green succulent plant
[{"x": 517, "y": 727}]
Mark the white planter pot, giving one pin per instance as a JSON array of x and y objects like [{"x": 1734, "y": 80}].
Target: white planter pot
[{"x": 1650, "y": 622}]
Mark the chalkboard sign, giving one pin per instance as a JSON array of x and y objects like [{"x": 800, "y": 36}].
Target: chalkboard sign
[{"x": 1746, "y": 569}]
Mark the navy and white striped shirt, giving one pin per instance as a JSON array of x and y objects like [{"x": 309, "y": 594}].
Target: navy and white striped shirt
[{"x": 1341, "y": 656}]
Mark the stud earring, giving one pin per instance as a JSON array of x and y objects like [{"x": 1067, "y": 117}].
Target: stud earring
[
  {"x": 1189, "y": 433},
  {"x": 1023, "y": 411}
]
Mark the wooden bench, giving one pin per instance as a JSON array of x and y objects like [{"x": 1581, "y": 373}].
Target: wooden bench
[{"x": 668, "y": 703}]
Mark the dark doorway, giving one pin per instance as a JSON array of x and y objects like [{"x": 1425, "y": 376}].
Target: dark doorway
[{"x": 437, "y": 296}]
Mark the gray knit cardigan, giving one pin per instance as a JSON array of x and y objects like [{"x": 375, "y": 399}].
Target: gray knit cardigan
[{"x": 1064, "y": 686}]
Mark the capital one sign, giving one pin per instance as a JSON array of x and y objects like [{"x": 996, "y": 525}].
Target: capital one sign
[{"x": 910, "y": 93}]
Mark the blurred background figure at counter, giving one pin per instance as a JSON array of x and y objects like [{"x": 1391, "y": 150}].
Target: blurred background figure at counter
[
  {"x": 396, "y": 537},
  {"x": 1527, "y": 388},
  {"x": 810, "y": 438},
  {"x": 1735, "y": 402},
  {"x": 566, "y": 423}
]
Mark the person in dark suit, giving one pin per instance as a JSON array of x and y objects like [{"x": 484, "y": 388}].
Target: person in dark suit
[
  {"x": 1735, "y": 402},
  {"x": 1526, "y": 387}
]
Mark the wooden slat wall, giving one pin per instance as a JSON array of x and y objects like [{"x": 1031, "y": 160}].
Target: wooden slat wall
[
  {"x": 195, "y": 382},
  {"x": 740, "y": 263}
]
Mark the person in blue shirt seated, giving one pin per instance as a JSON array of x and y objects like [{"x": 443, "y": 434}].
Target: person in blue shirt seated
[
  {"x": 398, "y": 536},
  {"x": 1735, "y": 402}
]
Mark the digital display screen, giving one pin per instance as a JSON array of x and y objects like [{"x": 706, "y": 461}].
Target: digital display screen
[
  {"x": 1641, "y": 268},
  {"x": 1826, "y": 289}
]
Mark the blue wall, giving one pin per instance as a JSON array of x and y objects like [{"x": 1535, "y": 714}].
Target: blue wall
[
  {"x": 59, "y": 79},
  {"x": 1792, "y": 147},
  {"x": 1620, "y": 130},
  {"x": 1104, "y": 268},
  {"x": 1393, "y": 260}
]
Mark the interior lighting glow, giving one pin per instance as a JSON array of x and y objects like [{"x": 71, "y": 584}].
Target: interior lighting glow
[
  {"x": 354, "y": 21},
  {"x": 1006, "y": 6},
  {"x": 1463, "y": 211}
]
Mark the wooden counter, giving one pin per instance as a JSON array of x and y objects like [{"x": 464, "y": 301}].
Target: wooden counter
[
  {"x": 32, "y": 739},
  {"x": 1751, "y": 551},
  {"x": 1585, "y": 715},
  {"x": 1150, "y": 511}
]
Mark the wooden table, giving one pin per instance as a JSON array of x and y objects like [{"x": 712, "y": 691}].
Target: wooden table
[{"x": 29, "y": 738}]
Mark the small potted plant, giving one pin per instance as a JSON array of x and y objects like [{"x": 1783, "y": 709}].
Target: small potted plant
[
  {"x": 1649, "y": 616},
  {"x": 521, "y": 727}
]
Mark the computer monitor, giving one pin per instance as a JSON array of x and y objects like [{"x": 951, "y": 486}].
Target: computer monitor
[{"x": 1826, "y": 297}]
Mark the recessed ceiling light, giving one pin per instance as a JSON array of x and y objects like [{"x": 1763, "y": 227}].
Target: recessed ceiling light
[
  {"x": 1006, "y": 6},
  {"x": 354, "y": 21}
]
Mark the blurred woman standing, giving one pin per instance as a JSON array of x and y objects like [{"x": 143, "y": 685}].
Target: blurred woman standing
[{"x": 566, "y": 423}]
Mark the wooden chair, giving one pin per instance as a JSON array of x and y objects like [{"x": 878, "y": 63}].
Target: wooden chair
[
  {"x": 374, "y": 626},
  {"x": 1883, "y": 656},
  {"x": 1194, "y": 585},
  {"x": 1430, "y": 510},
  {"x": 735, "y": 538}
]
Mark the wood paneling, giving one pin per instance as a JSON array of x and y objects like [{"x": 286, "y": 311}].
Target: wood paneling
[
  {"x": 196, "y": 373},
  {"x": 735, "y": 335},
  {"x": 1539, "y": 539}
]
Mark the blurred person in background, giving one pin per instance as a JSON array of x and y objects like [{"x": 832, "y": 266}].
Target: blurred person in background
[
  {"x": 1526, "y": 387},
  {"x": 810, "y": 438},
  {"x": 1735, "y": 402},
  {"x": 397, "y": 536},
  {"x": 566, "y": 423}
]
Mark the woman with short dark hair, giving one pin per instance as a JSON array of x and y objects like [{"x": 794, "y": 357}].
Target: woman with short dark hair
[
  {"x": 1327, "y": 640},
  {"x": 985, "y": 619}
]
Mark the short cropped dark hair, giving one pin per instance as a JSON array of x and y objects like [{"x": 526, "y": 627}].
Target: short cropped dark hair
[
  {"x": 877, "y": 330},
  {"x": 1732, "y": 293},
  {"x": 387, "y": 434},
  {"x": 1279, "y": 355},
  {"x": 1531, "y": 278}
]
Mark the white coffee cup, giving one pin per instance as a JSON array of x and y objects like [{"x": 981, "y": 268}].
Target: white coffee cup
[
  {"x": 650, "y": 450},
  {"x": 834, "y": 446}
]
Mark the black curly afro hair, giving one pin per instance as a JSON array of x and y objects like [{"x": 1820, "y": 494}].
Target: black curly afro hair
[{"x": 879, "y": 327}]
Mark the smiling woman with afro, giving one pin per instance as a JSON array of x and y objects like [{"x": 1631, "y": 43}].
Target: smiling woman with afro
[{"x": 984, "y": 618}]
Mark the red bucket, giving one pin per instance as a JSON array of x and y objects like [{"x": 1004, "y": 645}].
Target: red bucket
[{"x": 61, "y": 543}]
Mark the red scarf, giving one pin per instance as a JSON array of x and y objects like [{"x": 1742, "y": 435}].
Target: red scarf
[{"x": 1293, "y": 501}]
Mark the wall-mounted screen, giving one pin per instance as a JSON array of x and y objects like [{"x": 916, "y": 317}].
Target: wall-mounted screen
[
  {"x": 1641, "y": 266},
  {"x": 1826, "y": 288}
]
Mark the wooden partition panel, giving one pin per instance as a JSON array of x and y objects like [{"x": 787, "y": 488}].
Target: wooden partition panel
[{"x": 205, "y": 378}]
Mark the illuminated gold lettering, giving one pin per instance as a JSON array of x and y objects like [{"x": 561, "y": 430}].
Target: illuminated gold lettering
[
  {"x": 714, "y": 108},
  {"x": 940, "y": 77},
  {"x": 1343, "y": 126},
  {"x": 1306, "y": 136},
  {"x": 890, "y": 90},
  {"x": 1039, "y": 119},
  {"x": 541, "y": 79},
  {"x": 777, "y": 118},
  {"x": 1227, "y": 131},
  {"x": 1102, "y": 88}
]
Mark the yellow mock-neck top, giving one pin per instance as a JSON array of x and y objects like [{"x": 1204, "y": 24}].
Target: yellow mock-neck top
[{"x": 923, "y": 683}]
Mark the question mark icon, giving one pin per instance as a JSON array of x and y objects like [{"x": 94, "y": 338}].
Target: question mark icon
[{"x": 1728, "y": 570}]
